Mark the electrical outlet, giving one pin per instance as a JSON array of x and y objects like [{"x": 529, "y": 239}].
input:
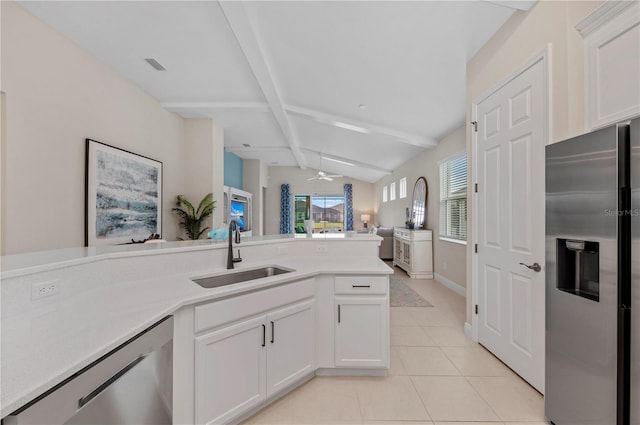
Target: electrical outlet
[
  {"x": 322, "y": 248},
  {"x": 45, "y": 289},
  {"x": 283, "y": 250}
]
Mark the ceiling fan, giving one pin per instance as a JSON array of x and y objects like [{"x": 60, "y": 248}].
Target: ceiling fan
[{"x": 324, "y": 176}]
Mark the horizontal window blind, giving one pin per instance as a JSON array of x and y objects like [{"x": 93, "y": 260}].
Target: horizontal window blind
[{"x": 453, "y": 198}]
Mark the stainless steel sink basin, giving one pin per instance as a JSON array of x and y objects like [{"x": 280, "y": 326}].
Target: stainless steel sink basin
[{"x": 239, "y": 276}]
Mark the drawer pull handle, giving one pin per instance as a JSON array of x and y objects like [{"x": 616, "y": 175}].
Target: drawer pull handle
[
  {"x": 264, "y": 335},
  {"x": 361, "y": 286}
]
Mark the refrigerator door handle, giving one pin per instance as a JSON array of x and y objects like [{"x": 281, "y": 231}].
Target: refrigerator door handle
[{"x": 535, "y": 267}]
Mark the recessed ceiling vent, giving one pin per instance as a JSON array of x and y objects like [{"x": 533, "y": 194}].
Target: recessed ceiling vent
[{"x": 155, "y": 64}]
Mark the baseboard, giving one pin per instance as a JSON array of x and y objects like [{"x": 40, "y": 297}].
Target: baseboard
[
  {"x": 455, "y": 287},
  {"x": 468, "y": 330},
  {"x": 351, "y": 372}
]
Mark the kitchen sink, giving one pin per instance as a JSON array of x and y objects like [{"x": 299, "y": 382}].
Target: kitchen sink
[{"x": 239, "y": 276}]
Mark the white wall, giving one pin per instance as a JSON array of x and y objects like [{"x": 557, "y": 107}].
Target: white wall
[
  {"x": 56, "y": 96},
  {"x": 254, "y": 180},
  {"x": 449, "y": 258},
  {"x": 522, "y": 36},
  {"x": 203, "y": 144},
  {"x": 299, "y": 185}
]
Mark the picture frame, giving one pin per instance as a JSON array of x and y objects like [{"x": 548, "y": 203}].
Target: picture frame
[{"x": 123, "y": 196}]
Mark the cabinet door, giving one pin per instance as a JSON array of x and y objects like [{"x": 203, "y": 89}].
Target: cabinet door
[
  {"x": 362, "y": 338},
  {"x": 230, "y": 371},
  {"x": 291, "y": 345},
  {"x": 406, "y": 253}
]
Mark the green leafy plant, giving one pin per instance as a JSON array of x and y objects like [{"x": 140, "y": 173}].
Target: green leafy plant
[{"x": 193, "y": 219}]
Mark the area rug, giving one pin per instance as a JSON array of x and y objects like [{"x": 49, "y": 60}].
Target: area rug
[{"x": 403, "y": 296}]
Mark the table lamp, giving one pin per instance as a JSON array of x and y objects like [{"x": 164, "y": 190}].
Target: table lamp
[{"x": 365, "y": 218}]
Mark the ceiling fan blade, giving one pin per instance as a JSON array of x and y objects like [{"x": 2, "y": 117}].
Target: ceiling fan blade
[
  {"x": 313, "y": 178},
  {"x": 337, "y": 176},
  {"x": 327, "y": 178}
]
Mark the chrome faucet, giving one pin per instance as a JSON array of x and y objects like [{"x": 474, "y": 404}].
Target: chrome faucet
[{"x": 233, "y": 225}]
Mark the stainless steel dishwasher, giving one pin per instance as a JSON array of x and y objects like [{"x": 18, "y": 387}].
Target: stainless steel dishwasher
[{"x": 132, "y": 384}]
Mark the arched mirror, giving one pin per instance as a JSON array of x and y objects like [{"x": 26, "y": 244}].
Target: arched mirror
[{"x": 419, "y": 203}]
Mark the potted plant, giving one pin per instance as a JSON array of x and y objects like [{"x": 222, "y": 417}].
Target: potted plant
[
  {"x": 193, "y": 219},
  {"x": 409, "y": 224}
]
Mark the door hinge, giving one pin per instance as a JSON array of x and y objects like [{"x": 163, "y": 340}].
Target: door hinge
[
  {"x": 475, "y": 125},
  {"x": 476, "y": 248},
  {"x": 476, "y": 308},
  {"x": 476, "y": 187}
]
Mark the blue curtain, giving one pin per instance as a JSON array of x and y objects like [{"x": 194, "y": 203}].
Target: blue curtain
[
  {"x": 285, "y": 209},
  {"x": 348, "y": 207}
]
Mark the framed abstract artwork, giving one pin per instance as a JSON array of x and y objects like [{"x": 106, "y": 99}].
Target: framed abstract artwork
[{"x": 123, "y": 196}]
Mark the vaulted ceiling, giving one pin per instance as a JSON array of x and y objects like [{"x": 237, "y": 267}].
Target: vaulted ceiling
[{"x": 297, "y": 83}]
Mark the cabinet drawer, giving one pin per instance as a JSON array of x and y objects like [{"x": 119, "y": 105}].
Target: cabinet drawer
[
  {"x": 230, "y": 310},
  {"x": 362, "y": 285}
]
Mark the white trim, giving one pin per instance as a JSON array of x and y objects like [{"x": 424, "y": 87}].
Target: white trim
[
  {"x": 601, "y": 15},
  {"x": 543, "y": 55},
  {"x": 455, "y": 287},
  {"x": 468, "y": 331},
  {"x": 458, "y": 241},
  {"x": 351, "y": 371}
]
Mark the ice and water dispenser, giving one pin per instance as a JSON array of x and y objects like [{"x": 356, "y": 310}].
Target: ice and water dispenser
[{"x": 578, "y": 268}]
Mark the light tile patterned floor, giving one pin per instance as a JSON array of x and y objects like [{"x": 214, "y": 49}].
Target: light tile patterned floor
[{"x": 437, "y": 377}]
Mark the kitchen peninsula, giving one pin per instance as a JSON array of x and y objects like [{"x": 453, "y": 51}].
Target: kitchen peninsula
[{"x": 101, "y": 297}]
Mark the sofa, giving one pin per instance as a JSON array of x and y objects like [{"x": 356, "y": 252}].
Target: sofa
[{"x": 385, "y": 251}]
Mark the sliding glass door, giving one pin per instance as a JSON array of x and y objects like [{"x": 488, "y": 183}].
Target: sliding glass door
[{"x": 327, "y": 212}]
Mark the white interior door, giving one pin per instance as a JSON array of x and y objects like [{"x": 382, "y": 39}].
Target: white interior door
[{"x": 510, "y": 141}]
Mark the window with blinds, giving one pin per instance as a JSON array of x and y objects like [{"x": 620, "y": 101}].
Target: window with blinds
[{"x": 453, "y": 198}]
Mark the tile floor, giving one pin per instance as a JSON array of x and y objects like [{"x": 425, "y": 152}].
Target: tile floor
[{"x": 438, "y": 376}]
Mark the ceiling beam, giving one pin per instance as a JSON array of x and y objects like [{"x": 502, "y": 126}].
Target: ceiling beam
[
  {"x": 242, "y": 149},
  {"x": 523, "y": 5},
  {"x": 356, "y": 163},
  {"x": 176, "y": 106},
  {"x": 241, "y": 27},
  {"x": 360, "y": 126},
  {"x": 321, "y": 117}
]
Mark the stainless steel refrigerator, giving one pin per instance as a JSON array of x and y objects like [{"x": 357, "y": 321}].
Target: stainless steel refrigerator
[{"x": 593, "y": 278}]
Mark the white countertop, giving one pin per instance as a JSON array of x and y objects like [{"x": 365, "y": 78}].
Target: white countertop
[
  {"x": 40, "y": 348},
  {"x": 14, "y": 265}
]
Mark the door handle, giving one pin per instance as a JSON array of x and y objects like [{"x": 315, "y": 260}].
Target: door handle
[
  {"x": 93, "y": 394},
  {"x": 272, "y": 332},
  {"x": 264, "y": 335},
  {"x": 535, "y": 266}
]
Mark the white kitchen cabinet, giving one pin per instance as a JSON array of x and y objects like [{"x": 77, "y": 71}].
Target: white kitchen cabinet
[
  {"x": 242, "y": 364},
  {"x": 413, "y": 252},
  {"x": 361, "y": 321},
  {"x": 230, "y": 371},
  {"x": 612, "y": 63},
  {"x": 291, "y": 346}
]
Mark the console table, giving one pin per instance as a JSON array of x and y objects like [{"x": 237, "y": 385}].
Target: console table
[{"x": 413, "y": 252}]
